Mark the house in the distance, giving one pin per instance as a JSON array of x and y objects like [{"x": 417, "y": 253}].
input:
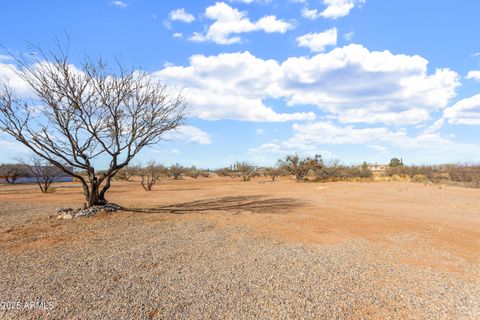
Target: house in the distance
[{"x": 378, "y": 168}]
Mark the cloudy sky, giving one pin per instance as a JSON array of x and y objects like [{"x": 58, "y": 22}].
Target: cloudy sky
[{"x": 350, "y": 79}]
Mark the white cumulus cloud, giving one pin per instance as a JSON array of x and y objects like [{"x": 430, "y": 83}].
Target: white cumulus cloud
[
  {"x": 349, "y": 84},
  {"x": 317, "y": 42},
  {"x": 189, "y": 134},
  {"x": 315, "y": 137},
  {"x": 311, "y": 14},
  {"x": 334, "y": 9},
  {"x": 181, "y": 15},
  {"x": 339, "y": 8},
  {"x": 358, "y": 85},
  {"x": 230, "y": 22},
  {"x": 9, "y": 76},
  {"x": 465, "y": 111},
  {"x": 229, "y": 86},
  {"x": 474, "y": 74}
]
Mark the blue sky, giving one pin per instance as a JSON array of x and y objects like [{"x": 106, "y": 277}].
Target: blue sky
[{"x": 350, "y": 79}]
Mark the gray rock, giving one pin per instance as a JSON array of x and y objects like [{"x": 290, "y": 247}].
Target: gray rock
[{"x": 88, "y": 212}]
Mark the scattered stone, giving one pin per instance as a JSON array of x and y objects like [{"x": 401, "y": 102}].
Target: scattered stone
[
  {"x": 69, "y": 213},
  {"x": 80, "y": 214}
]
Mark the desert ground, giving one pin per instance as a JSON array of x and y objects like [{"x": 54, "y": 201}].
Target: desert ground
[{"x": 220, "y": 248}]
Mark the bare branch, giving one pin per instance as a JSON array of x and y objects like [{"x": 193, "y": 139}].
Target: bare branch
[{"x": 78, "y": 114}]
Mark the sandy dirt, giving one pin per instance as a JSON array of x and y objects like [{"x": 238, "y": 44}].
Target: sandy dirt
[{"x": 416, "y": 226}]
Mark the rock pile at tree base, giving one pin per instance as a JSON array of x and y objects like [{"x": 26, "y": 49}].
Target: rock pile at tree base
[{"x": 70, "y": 213}]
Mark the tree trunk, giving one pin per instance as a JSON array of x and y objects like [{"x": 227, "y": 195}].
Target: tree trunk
[{"x": 94, "y": 197}]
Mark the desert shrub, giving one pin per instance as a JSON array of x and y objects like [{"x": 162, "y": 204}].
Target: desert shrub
[
  {"x": 419, "y": 178},
  {"x": 334, "y": 171},
  {"x": 205, "y": 173},
  {"x": 328, "y": 171},
  {"x": 459, "y": 173},
  {"x": 192, "y": 172},
  {"x": 426, "y": 171},
  {"x": 224, "y": 172},
  {"x": 51, "y": 189},
  {"x": 127, "y": 173},
  {"x": 365, "y": 171},
  {"x": 354, "y": 172},
  {"x": 396, "y": 177},
  {"x": 300, "y": 167},
  {"x": 465, "y": 175},
  {"x": 396, "y": 171},
  {"x": 273, "y": 173},
  {"x": 195, "y": 173},
  {"x": 415, "y": 173},
  {"x": 245, "y": 170},
  {"x": 176, "y": 170},
  {"x": 468, "y": 175}
]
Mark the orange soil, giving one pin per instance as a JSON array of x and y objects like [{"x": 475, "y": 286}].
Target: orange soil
[{"x": 425, "y": 223}]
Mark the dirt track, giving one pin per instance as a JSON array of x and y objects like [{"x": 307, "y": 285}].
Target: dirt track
[{"x": 417, "y": 246}]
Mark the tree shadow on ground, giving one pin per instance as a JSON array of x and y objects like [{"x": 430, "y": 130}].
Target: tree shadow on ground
[{"x": 255, "y": 204}]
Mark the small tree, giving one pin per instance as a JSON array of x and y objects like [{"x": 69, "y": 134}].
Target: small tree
[
  {"x": 300, "y": 167},
  {"x": 273, "y": 173},
  {"x": 395, "y": 162},
  {"x": 150, "y": 174},
  {"x": 365, "y": 171},
  {"x": 193, "y": 172},
  {"x": 176, "y": 171},
  {"x": 205, "y": 173},
  {"x": 224, "y": 172},
  {"x": 245, "y": 169},
  {"x": 79, "y": 114},
  {"x": 43, "y": 172},
  {"x": 331, "y": 170},
  {"x": 127, "y": 173},
  {"x": 11, "y": 172}
]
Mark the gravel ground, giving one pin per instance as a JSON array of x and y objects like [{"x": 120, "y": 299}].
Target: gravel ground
[{"x": 158, "y": 267}]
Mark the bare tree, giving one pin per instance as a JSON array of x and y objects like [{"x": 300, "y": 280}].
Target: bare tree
[
  {"x": 150, "y": 174},
  {"x": 43, "y": 172},
  {"x": 81, "y": 114},
  {"x": 273, "y": 173},
  {"x": 176, "y": 170},
  {"x": 331, "y": 169},
  {"x": 11, "y": 172},
  {"x": 193, "y": 172},
  {"x": 245, "y": 169},
  {"x": 224, "y": 172},
  {"x": 127, "y": 173},
  {"x": 300, "y": 167}
]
